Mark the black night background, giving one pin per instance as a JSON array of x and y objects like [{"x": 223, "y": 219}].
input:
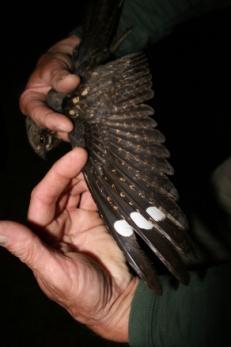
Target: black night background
[{"x": 191, "y": 78}]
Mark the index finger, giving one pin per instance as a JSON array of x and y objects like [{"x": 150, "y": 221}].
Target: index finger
[{"x": 45, "y": 195}]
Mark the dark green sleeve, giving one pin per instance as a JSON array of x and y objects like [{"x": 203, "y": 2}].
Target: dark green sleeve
[
  {"x": 197, "y": 315},
  {"x": 151, "y": 20}
]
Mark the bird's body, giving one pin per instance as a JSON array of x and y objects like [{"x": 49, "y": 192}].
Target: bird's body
[{"x": 127, "y": 170}]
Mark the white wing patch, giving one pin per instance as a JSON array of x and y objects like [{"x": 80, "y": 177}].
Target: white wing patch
[
  {"x": 155, "y": 213},
  {"x": 140, "y": 221},
  {"x": 123, "y": 228}
]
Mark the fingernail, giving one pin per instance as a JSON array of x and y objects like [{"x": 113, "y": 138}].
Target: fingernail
[
  {"x": 3, "y": 240},
  {"x": 65, "y": 127},
  {"x": 58, "y": 124}
]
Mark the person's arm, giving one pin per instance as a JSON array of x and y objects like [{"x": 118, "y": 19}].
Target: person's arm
[
  {"x": 152, "y": 20},
  {"x": 197, "y": 315}
]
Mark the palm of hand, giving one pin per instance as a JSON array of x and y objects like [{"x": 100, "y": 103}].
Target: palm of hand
[
  {"x": 86, "y": 271},
  {"x": 89, "y": 265},
  {"x": 83, "y": 270}
]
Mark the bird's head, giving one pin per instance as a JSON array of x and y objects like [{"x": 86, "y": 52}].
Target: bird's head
[{"x": 42, "y": 140}]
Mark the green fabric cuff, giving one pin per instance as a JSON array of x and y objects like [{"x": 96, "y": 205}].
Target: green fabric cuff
[
  {"x": 152, "y": 20},
  {"x": 196, "y": 315},
  {"x": 140, "y": 334}
]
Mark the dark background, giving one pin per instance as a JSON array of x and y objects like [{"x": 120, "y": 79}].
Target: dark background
[{"x": 191, "y": 74}]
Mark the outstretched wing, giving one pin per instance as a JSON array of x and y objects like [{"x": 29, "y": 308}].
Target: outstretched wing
[{"x": 127, "y": 171}]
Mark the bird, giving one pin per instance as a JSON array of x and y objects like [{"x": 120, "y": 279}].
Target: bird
[{"x": 128, "y": 167}]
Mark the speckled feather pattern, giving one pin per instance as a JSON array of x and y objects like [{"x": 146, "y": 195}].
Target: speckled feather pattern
[{"x": 128, "y": 168}]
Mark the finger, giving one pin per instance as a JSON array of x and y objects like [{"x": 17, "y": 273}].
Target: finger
[
  {"x": 52, "y": 71},
  {"x": 63, "y": 136},
  {"x": 49, "y": 268},
  {"x": 32, "y": 103},
  {"x": 45, "y": 196},
  {"x": 55, "y": 70},
  {"x": 87, "y": 202},
  {"x": 64, "y": 82},
  {"x": 71, "y": 197},
  {"x": 20, "y": 241},
  {"x": 82, "y": 222},
  {"x": 80, "y": 195},
  {"x": 78, "y": 187}
]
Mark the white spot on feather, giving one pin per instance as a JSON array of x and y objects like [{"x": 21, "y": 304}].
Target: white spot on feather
[
  {"x": 140, "y": 221},
  {"x": 85, "y": 92},
  {"x": 72, "y": 112},
  {"x": 123, "y": 228},
  {"x": 155, "y": 213},
  {"x": 75, "y": 100}
]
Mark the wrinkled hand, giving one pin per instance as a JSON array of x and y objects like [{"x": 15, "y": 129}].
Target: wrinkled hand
[
  {"x": 53, "y": 70},
  {"x": 85, "y": 272}
]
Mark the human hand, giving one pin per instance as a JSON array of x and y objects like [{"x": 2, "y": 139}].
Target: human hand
[
  {"x": 83, "y": 270},
  {"x": 53, "y": 70}
]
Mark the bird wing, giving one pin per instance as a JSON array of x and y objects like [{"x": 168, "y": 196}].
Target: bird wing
[{"x": 127, "y": 171}]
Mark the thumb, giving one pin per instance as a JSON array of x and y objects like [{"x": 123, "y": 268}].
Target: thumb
[
  {"x": 20, "y": 241},
  {"x": 63, "y": 81}
]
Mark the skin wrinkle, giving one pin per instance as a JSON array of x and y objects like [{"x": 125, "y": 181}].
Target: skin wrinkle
[
  {"x": 116, "y": 312},
  {"x": 88, "y": 261}
]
